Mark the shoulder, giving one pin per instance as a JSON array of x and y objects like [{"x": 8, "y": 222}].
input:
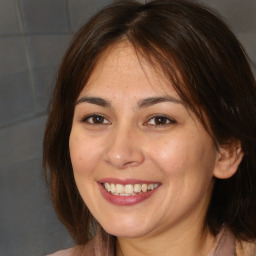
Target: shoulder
[
  {"x": 95, "y": 247},
  {"x": 67, "y": 252},
  {"x": 85, "y": 250},
  {"x": 246, "y": 249}
]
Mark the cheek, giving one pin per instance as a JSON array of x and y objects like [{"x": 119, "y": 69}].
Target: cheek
[
  {"x": 170, "y": 155},
  {"x": 83, "y": 158},
  {"x": 185, "y": 155},
  {"x": 187, "y": 166},
  {"x": 83, "y": 161}
]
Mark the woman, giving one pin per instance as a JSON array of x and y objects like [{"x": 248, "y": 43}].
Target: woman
[{"x": 150, "y": 141}]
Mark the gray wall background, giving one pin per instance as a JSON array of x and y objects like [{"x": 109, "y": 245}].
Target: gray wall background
[{"x": 33, "y": 37}]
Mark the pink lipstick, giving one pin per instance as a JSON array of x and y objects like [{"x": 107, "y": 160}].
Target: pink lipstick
[{"x": 127, "y": 192}]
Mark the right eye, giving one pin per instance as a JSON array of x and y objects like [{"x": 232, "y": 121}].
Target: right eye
[{"x": 95, "y": 119}]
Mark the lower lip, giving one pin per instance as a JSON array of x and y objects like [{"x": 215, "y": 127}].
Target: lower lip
[{"x": 125, "y": 200}]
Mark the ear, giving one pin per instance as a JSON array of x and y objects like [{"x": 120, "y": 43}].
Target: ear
[{"x": 228, "y": 159}]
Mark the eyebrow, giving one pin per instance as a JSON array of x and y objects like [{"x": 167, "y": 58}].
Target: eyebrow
[
  {"x": 141, "y": 104},
  {"x": 94, "y": 100},
  {"x": 155, "y": 100}
]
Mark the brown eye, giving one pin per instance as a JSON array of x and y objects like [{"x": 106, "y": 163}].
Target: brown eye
[
  {"x": 160, "y": 121},
  {"x": 95, "y": 119}
]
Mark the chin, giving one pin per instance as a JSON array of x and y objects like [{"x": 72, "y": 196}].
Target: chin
[{"x": 127, "y": 231}]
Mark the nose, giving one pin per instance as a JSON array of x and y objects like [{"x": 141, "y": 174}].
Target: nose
[{"x": 124, "y": 148}]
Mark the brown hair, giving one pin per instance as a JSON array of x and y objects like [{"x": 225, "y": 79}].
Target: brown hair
[{"x": 217, "y": 82}]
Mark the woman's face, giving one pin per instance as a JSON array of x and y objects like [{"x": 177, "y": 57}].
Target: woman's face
[{"x": 142, "y": 162}]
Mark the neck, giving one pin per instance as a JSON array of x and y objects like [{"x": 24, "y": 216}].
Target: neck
[{"x": 191, "y": 242}]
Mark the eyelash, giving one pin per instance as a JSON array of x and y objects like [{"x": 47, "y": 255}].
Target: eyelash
[
  {"x": 96, "y": 119},
  {"x": 167, "y": 121}
]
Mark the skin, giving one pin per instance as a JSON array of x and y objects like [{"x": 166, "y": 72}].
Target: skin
[{"x": 129, "y": 143}]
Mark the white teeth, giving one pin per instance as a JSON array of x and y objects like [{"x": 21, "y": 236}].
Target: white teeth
[
  {"x": 124, "y": 194},
  {"x": 144, "y": 187},
  {"x": 129, "y": 189},
  {"x": 119, "y": 188},
  {"x": 107, "y": 187},
  {"x": 113, "y": 188},
  {"x": 137, "y": 188},
  {"x": 150, "y": 186}
]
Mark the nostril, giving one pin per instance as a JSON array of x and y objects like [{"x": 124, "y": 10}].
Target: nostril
[{"x": 122, "y": 152}]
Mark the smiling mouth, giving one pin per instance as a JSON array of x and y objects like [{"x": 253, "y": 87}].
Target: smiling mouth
[{"x": 129, "y": 189}]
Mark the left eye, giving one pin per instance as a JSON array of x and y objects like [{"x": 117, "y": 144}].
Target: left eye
[
  {"x": 95, "y": 119},
  {"x": 160, "y": 121}
]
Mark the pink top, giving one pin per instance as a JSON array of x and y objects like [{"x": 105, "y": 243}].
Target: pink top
[{"x": 225, "y": 246}]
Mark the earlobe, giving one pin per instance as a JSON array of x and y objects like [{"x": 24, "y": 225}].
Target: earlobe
[{"x": 228, "y": 159}]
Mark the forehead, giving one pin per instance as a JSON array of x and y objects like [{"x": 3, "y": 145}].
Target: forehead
[{"x": 120, "y": 66}]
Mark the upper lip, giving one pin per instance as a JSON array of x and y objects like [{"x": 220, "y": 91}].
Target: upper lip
[{"x": 126, "y": 181}]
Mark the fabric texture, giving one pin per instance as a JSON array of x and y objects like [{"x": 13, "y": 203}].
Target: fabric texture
[{"x": 225, "y": 245}]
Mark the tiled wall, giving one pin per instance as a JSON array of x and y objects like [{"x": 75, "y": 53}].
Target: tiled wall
[
  {"x": 33, "y": 37},
  {"x": 241, "y": 17}
]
